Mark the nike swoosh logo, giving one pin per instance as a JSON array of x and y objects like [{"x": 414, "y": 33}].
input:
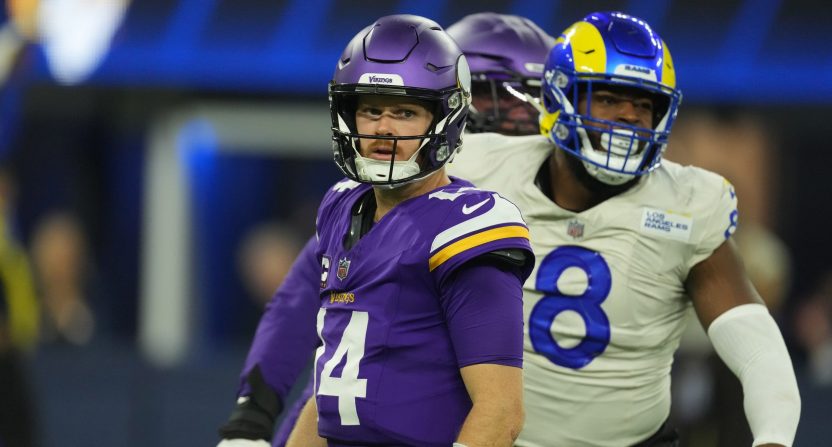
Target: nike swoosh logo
[{"x": 468, "y": 210}]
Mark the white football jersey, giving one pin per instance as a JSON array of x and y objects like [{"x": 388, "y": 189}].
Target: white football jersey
[{"x": 606, "y": 302}]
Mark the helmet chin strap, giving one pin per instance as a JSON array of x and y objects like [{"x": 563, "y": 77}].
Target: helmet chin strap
[
  {"x": 372, "y": 170},
  {"x": 615, "y": 146},
  {"x": 620, "y": 142},
  {"x": 605, "y": 176}
]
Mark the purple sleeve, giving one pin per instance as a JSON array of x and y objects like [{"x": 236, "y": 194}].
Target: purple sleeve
[
  {"x": 286, "y": 336},
  {"x": 483, "y": 306}
]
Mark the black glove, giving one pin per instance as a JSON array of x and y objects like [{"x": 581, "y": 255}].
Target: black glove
[{"x": 254, "y": 416}]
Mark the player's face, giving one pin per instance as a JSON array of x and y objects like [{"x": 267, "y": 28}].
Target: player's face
[
  {"x": 517, "y": 117},
  {"x": 391, "y": 116},
  {"x": 627, "y": 106}
]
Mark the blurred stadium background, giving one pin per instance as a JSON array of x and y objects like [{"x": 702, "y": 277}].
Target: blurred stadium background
[{"x": 154, "y": 145}]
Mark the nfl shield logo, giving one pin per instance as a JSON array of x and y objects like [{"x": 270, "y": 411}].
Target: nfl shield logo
[
  {"x": 575, "y": 229},
  {"x": 343, "y": 268}
]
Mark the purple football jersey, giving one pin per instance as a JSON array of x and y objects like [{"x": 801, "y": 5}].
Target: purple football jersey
[{"x": 387, "y": 372}]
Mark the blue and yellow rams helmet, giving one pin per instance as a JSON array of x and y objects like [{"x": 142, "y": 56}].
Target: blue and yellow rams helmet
[{"x": 616, "y": 52}]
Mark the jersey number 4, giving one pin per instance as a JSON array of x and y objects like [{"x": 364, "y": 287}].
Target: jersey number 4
[
  {"x": 586, "y": 304},
  {"x": 348, "y": 387}
]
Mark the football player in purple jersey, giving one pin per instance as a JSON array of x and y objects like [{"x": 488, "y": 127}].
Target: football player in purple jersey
[
  {"x": 285, "y": 338},
  {"x": 505, "y": 54},
  {"x": 419, "y": 308}
]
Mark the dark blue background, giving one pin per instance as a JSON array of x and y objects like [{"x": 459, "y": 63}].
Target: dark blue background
[{"x": 758, "y": 51}]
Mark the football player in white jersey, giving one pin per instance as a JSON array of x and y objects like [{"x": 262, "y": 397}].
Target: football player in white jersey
[{"x": 625, "y": 244}]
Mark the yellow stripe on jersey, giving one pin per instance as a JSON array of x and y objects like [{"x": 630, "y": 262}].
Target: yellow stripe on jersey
[
  {"x": 476, "y": 240},
  {"x": 503, "y": 213}
]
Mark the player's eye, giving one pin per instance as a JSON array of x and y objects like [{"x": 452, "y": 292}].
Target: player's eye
[
  {"x": 369, "y": 111},
  {"x": 406, "y": 113},
  {"x": 607, "y": 100}
]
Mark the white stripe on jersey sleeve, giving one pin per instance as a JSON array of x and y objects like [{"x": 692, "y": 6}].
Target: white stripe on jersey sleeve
[{"x": 503, "y": 212}]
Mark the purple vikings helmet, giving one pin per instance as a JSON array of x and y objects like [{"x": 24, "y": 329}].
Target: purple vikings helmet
[
  {"x": 409, "y": 56},
  {"x": 506, "y": 55},
  {"x": 609, "y": 50}
]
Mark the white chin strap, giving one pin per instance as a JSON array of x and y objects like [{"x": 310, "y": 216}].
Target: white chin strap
[
  {"x": 371, "y": 170},
  {"x": 615, "y": 146}
]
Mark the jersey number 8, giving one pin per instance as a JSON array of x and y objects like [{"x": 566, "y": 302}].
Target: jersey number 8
[{"x": 586, "y": 304}]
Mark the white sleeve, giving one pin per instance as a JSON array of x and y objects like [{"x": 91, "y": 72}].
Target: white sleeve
[
  {"x": 721, "y": 221},
  {"x": 749, "y": 342}
]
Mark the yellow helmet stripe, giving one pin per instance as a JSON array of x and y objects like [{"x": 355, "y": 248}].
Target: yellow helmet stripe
[
  {"x": 668, "y": 69},
  {"x": 588, "y": 50}
]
